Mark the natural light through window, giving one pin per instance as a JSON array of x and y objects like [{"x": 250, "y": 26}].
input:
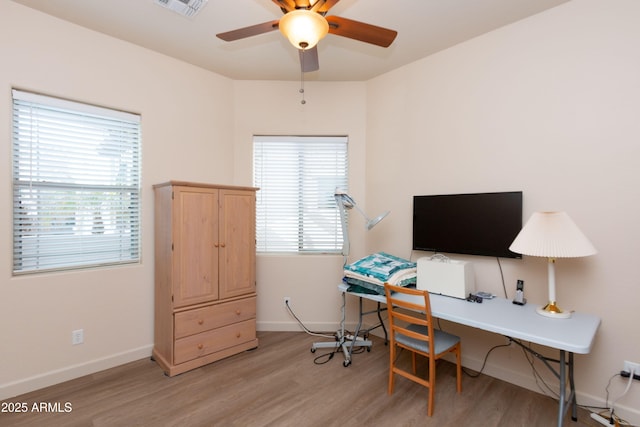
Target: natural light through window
[
  {"x": 297, "y": 177},
  {"x": 76, "y": 185}
]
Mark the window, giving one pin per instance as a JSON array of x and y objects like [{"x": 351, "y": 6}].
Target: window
[
  {"x": 76, "y": 185},
  {"x": 297, "y": 176}
]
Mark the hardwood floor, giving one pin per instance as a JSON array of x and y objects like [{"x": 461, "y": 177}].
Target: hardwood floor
[{"x": 278, "y": 384}]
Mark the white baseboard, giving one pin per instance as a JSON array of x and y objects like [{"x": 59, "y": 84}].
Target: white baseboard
[{"x": 46, "y": 379}]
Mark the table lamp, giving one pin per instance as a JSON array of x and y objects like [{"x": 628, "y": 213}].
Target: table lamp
[{"x": 552, "y": 235}]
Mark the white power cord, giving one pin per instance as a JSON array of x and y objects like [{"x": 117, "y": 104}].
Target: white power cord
[
  {"x": 613, "y": 420},
  {"x": 631, "y": 374},
  {"x": 613, "y": 404}
]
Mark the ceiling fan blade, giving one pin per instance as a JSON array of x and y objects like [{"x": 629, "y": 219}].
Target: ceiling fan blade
[
  {"x": 285, "y": 5},
  {"x": 323, "y": 6},
  {"x": 309, "y": 60},
  {"x": 250, "y": 31},
  {"x": 360, "y": 31}
]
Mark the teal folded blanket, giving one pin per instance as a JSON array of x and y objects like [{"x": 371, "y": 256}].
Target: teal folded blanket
[
  {"x": 380, "y": 266},
  {"x": 373, "y": 271}
]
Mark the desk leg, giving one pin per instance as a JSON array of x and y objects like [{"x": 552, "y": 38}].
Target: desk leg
[
  {"x": 563, "y": 389},
  {"x": 574, "y": 403},
  {"x": 355, "y": 340},
  {"x": 564, "y": 372},
  {"x": 380, "y": 324},
  {"x": 386, "y": 337}
]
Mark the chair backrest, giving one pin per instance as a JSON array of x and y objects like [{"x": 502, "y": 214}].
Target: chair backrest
[{"x": 409, "y": 306}]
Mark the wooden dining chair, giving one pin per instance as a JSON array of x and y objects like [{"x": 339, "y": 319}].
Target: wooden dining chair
[{"x": 411, "y": 327}]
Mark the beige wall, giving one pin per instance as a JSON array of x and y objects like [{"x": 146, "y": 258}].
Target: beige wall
[
  {"x": 548, "y": 105},
  {"x": 186, "y": 113},
  {"x": 331, "y": 109}
]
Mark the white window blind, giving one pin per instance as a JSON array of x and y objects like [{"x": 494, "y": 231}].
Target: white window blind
[
  {"x": 76, "y": 185},
  {"x": 297, "y": 176}
]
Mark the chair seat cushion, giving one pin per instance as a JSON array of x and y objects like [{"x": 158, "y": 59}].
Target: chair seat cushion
[{"x": 442, "y": 342}]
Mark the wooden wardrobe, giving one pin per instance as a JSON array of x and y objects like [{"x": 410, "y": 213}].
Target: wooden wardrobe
[{"x": 205, "y": 274}]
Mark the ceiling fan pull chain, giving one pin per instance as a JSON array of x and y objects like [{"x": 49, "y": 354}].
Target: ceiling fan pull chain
[{"x": 302, "y": 78}]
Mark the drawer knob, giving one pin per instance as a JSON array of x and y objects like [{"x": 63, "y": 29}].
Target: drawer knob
[
  {"x": 200, "y": 322},
  {"x": 238, "y": 335},
  {"x": 238, "y": 312},
  {"x": 200, "y": 346}
]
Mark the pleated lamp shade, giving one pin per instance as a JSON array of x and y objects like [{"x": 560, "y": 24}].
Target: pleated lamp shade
[{"x": 552, "y": 235}]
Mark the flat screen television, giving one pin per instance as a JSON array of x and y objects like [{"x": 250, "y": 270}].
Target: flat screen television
[{"x": 473, "y": 224}]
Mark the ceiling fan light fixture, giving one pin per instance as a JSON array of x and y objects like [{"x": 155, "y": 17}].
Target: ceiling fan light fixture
[{"x": 303, "y": 28}]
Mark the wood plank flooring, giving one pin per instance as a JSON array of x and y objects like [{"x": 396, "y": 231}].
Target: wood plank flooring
[{"x": 278, "y": 384}]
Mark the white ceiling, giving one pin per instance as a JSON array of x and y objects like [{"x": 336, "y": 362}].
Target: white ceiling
[{"x": 424, "y": 27}]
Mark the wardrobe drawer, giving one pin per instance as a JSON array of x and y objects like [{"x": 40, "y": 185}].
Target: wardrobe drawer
[
  {"x": 207, "y": 318},
  {"x": 208, "y": 342}
]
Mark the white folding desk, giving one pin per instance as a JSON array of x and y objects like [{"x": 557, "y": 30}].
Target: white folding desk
[{"x": 501, "y": 316}]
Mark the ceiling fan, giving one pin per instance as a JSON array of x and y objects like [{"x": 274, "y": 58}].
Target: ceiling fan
[{"x": 305, "y": 23}]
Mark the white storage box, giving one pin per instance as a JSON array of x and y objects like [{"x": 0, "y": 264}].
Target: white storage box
[{"x": 446, "y": 276}]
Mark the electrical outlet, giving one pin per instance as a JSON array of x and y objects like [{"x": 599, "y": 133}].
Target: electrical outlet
[
  {"x": 287, "y": 301},
  {"x": 630, "y": 366},
  {"x": 77, "y": 336}
]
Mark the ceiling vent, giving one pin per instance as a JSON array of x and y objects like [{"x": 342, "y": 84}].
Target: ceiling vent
[{"x": 188, "y": 8}]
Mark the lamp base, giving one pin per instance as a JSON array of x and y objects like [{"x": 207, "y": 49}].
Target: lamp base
[{"x": 552, "y": 310}]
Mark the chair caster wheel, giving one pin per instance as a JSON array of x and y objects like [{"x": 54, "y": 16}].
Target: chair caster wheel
[
  {"x": 346, "y": 363},
  {"x": 313, "y": 350}
]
